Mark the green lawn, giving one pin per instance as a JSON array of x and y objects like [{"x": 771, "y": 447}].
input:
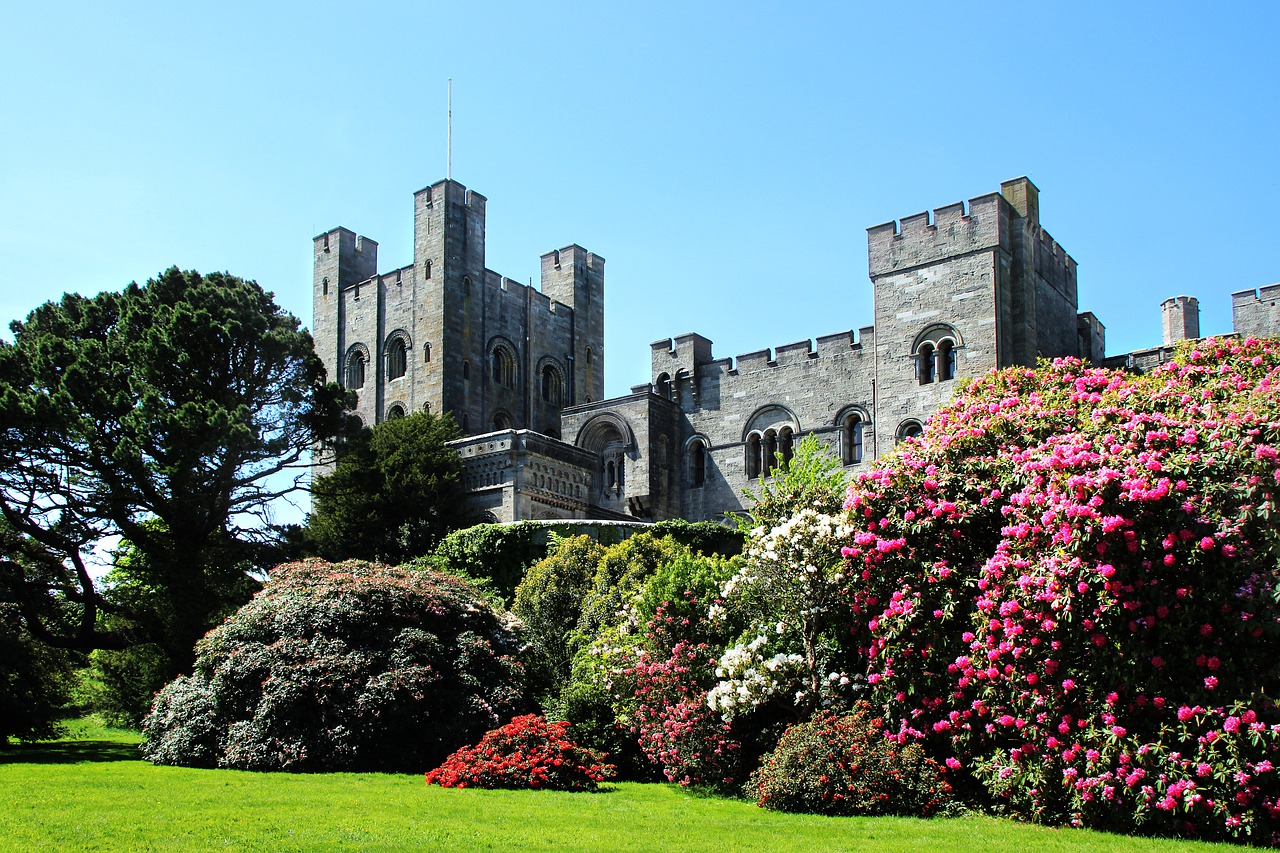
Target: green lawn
[{"x": 90, "y": 792}]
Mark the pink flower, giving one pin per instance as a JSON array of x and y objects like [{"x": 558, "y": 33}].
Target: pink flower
[
  {"x": 1231, "y": 724},
  {"x": 1211, "y": 682}
]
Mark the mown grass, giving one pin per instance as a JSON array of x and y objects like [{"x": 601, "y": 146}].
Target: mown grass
[{"x": 91, "y": 792}]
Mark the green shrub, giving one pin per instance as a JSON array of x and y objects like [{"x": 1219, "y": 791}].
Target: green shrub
[
  {"x": 354, "y": 666},
  {"x": 846, "y": 766},
  {"x": 702, "y": 537},
  {"x": 622, "y": 570},
  {"x": 499, "y": 554},
  {"x": 549, "y": 602},
  {"x": 123, "y": 683}
]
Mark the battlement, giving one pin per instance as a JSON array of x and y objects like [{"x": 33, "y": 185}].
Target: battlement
[
  {"x": 571, "y": 255},
  {"x": 786, "y": 355},
  {"x": 1256, "y": 313},
  {"x": 450, "y": 191},
  {"x": 1262, "y": 294},
  {"x": 930, "y": 236}
]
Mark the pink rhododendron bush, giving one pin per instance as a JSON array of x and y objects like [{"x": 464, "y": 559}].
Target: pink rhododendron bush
[
  {"x": 1067, "y": 590},
  {"x": 528, "y": 752}
]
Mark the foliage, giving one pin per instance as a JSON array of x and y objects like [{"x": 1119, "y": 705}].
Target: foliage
[
  {"x": 500, "y": 554},
  {"x": 191, "y": 400},
  {"x": 622, "y": 569},
  {"x": 1069, "y": 588},
  {"x": 393, "y": 494},
  {"x": 527, "y": 752},
  {"x": 349, "y": 666},
  {"x": 549, "y": 602},
  {"x": 844, "y": 765},
  {"x": 35, "y": 682},
  {"x": 812, "y": 478},
  {"x": 702, "y": 537},
  {"x": 122, "y": 684}
]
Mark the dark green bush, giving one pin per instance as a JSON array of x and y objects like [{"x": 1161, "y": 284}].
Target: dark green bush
[
  {"x": 846, "y": 766},
  {"x": 354, "y": 666},
  {"x": 702, "y": 537},
  {"x": 499, "y": 554},
  {"x": 549, "y": 602},
  {"x": 123, "y": 683}
]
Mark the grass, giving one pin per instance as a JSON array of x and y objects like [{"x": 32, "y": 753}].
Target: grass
[{"x": 90, "y": 791}]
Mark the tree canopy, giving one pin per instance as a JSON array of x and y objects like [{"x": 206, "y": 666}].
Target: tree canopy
[
  {"x": 394, "y": 493},
  {"x": 171, "y": 414}
]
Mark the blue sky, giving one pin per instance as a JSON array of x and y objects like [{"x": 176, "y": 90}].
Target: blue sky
[{"x": 726, "y": 158}]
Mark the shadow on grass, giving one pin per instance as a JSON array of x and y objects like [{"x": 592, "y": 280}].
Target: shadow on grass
[{"x": 69, "y": 752}]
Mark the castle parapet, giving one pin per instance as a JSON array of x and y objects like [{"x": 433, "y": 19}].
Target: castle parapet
[
  {"x": 925, "y": 238},
  {"x": 1256, "y": 313}
]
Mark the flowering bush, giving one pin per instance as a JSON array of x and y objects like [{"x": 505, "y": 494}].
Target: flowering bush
[
  {"x": 790, "y": 588},
  {"x": 528, "y": 752},
  {"x": 846, "y": 766},
  {"x": 354, "y": 666},
  {"x": 1069, "y": 588}
]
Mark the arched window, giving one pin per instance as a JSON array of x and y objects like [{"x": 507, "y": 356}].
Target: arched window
[
  {"x": 426, "y": 351},
  {"x": 753, "y": 462},
  {"x": 946, "y": 359},
  {"x": 552, "y": 389},
  {"x": 502, "y": 420},
  {"x": 697, "y": 463},
  {"x": 924, "y": 363},
  {"x": 397, "y": 359},
  {"x": 355, "y": 370},
  {"x": 395, "y": 412},
  {"x": 427, "y": 266},
  {"x": 663, "y": 386},
  {"x": 786, "y": 446},
  {"x": 466, "y": 422},
  {"x": 934, "y": 352},
  {"x": 768, "y": 453},
  {"x": 503, "y": 366},
  {"x": 851, "y": 432},
  {"x": 909, "y": 429}
]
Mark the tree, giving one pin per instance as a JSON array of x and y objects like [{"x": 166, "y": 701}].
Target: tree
[
  {"x": 171, "y": 414},
  {"x": 394, "y": 493}
]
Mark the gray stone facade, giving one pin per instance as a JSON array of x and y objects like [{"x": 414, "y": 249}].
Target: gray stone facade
[{"x": 958, "y": 291}]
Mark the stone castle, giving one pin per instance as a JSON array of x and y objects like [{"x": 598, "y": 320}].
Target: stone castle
[{"x": 958, "y": 291}]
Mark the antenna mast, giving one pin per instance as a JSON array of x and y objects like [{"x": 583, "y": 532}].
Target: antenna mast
[{"x": 448, "y": 171}]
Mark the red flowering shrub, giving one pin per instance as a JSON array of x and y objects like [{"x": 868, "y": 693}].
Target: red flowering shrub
[
  {"x": 1069, "y": 587},
  {"x": 354, "y": 666},
  {"x": 527, "y": 752},
  {"x": 846, "y": 766}
]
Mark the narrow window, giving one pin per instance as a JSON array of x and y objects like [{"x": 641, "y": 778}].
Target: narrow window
[
  {"x": 853, "y": 427},
  {"x": 769, "y": 453},
  {"x": 924, "y": 364},
  {"x": 697, "y": 464},
  {"x": 428, "y": 269},
  {"x": 355, "y": 371},
  {"x": 466, "y": 369},
  {"x": 426, "y": 351},
  {"x": 786, "y": 446},
  {"x": 397, "y": 359},
  {"x": 664, "y": 386},
  {"x": 753, "y": 456},
  {"x": 946, "y": 360},
  {"x": 497, "y": 367},
  {"x": 551, "y": 389},
  {"x": 325, "y": 284}
]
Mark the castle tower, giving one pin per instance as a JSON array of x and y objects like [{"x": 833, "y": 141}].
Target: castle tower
[
  {"x": 448, "y": 260},
  {"x": 1180, "y": 319},
  {"x": 575, "y": 277},
  {"x": 342, "y": 260},
  {"x": 961, "y": 290}
]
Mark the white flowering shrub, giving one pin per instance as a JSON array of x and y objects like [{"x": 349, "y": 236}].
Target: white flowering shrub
[{"x": 791, "y": 593}]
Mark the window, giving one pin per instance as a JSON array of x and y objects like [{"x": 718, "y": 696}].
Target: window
[
  {"x": 851, "y": 430},
  {"x": 663, "y": 386},
  {"x": 466, "y": 369},
  {"x": 325, "y": 284},
  {"x": 504, "y": 366},
  {"x": 502, "y": 421},
  {"x": 397, "y": 359},
  {"x": 934, "y": 353},
  {"x": 697, "y": 463},
  {"x": 355, "y": 370},
  {"x": 753, "y": 456},
  {"x": 426, "y": 351},
  {"x": 786, "y": 446},
  {"x": 909, "y": 429},
  {"x": 428, "y": 269},
  {"x": 552, "y": 389},
  {"x": 395, "y": 412}
]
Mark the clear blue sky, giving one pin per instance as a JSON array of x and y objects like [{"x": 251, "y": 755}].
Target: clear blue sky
[{"x": 726, "y": 158}]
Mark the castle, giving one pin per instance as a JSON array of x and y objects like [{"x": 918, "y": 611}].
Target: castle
[{"x": 957, "y": 291}]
